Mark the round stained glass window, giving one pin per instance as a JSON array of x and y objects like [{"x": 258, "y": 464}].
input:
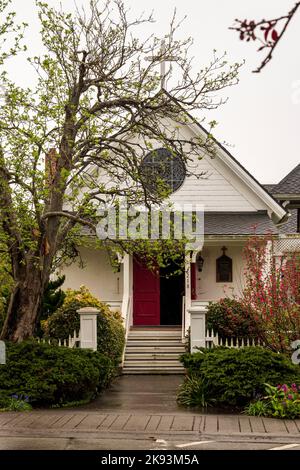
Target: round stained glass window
[{"x": 161, "y": 168}]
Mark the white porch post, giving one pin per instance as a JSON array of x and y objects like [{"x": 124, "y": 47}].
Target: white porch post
[
  {"x": 127, "y": 288},
  {"x": 187, "y": 319},
  {"x": 88, "y": 327},
  {"x": 198, "y": 327}
]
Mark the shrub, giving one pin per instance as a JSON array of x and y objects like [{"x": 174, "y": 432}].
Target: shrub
[
  {"x": 52, "y": 300},
  {"x": 110, "y": 330},
  {"x": 53, "y": 297},
  {"x": 272, "y": 292},
  {"x": 16, "y": 403},
  {"x": 49, "y": 374},
  {"x": 229, "y": 317},
  {"x": 236, "y": 376},
  {"x": 193, "y": 392},
  {"x": 257, "y": 408},
  {"x": 280, "y": 402}
]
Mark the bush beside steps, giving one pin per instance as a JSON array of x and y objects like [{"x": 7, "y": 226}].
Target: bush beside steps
[
  {"x": 228, "y": 377},
  {"x": 39, "y": 374}
]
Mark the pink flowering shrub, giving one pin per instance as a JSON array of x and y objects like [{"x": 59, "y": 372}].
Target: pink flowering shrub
[
  {"x": 272, "y": 293},
  {"x": 229, "y": 318},
  {"x": 282, "y": 401}
]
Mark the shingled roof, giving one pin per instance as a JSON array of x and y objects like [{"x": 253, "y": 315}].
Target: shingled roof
[
  {"x": 238, "y": 224},
  {"x": 290, "y": 184},
  {"x": 291, "y": 226}
]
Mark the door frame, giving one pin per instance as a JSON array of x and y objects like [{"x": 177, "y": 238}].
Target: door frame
[{"x": 151, "y": 297}]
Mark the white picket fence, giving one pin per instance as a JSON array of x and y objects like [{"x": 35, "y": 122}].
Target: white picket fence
[
  {"x": 212, "y": 339},
  {"x": 71, "y": 342}
]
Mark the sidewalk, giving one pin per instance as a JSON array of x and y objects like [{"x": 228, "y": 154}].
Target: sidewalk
[
  {"x": 145, "y": 406},
  {"x": 70, "y": 423}
]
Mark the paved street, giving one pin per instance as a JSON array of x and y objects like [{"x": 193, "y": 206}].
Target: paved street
[
  {"x": 137, "y": 442},
  {"x": 141, "y": 413}
]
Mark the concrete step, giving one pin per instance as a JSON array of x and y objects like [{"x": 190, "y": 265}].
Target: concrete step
[
  {"x": 151, "y": 356},
  {"x": 154, "y": 340},
  {"x": 153, "y": 363},
  {"x": 155, "y": 333},
  {"x": 155, "y": 349},
  {"x": 156, "y": 328},
  {"x": 153, "y": 370}
]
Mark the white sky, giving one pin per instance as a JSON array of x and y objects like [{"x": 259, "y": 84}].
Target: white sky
[{"x": 261, "y": 120}]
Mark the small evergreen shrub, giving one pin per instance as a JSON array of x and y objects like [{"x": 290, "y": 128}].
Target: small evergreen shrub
[
  {"x": 53, "y": 297},
  {"x": 229, "y": 318},
  {"x": 234, "y": 377},
  {"x": 110, "y": 329},
  {"x": 45, "y": 374}
]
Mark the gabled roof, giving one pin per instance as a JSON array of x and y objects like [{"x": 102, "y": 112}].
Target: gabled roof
[
  {"x": 279, "y": 214},
  {"x": 290, "y": 184}
]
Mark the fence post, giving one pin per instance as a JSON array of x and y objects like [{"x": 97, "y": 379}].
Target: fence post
[
  {"x": 198, "y": 327},
  {"x": 2, "y": 352},
  {"x": 88, "y": 327}
]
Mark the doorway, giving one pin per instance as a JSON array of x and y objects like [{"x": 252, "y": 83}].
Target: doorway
[
  {"x": 157, "y": 296},
  {"x": 172, "y": 289}
]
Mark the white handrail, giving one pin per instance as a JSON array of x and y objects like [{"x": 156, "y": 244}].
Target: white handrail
[
  {"x": 128, "y": 316},
  {"x": 183, "y": 319}
]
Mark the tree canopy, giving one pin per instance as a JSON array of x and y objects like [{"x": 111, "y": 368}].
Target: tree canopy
[{"x": 76, "y": 139}]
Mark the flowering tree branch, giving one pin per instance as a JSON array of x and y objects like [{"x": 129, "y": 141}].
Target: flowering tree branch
[{"x": 267, "y": 32}]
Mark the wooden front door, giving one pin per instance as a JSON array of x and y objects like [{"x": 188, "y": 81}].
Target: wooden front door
[{"x": 146, "y": 296}]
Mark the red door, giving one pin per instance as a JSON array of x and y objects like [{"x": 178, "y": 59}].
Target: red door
[{"x": 146, "y": 296}]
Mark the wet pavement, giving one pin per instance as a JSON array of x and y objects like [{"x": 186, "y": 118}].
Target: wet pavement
[
  {"x": 140, "y": 412},
  {"x": 149, "y": 393}
]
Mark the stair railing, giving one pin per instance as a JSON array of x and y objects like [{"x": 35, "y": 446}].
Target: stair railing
[
  {"x": 128, "y": 317},
  {"x": 183, "y": 319}
]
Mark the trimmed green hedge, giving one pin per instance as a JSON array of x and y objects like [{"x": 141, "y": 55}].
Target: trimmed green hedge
[
  {"x": 228, "y": 376},
  {"x": 110, "y": 329},
  {"x": 50, "y": 375}
]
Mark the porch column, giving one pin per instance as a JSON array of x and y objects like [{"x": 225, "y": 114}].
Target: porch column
[
  {"x": 88, "y": 327},
  {"x": 127, "y": 288},
  {"x": 188, "y": 294},
  {"x": 198, "y": 327}
]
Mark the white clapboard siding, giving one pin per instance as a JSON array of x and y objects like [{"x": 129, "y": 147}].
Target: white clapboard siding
[{"x": 215, "y": 190}]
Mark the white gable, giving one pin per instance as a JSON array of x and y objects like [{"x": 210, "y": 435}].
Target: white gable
[
  {"x": 217, "y": 190},
  {"x": 226, "y": 186}
]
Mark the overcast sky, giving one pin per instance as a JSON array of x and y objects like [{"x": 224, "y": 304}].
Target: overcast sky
[{"x": 261, "y": 121}]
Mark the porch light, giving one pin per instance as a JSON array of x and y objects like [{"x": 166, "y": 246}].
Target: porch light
[{"x": 199, "y": 262}]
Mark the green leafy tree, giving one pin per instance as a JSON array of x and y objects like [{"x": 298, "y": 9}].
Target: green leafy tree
[{"x": 76, "y": 139}]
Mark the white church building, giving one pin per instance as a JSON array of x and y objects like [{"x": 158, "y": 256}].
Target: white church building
[{"x": 158, "y": 311}]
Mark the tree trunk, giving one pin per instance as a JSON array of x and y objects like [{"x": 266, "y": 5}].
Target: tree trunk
[{"x": 24, "y": 307}]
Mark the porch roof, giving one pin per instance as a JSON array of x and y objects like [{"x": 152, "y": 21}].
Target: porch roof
[
  {"x": 238, "y": 224},
  {"x": 291, "y": 226}
]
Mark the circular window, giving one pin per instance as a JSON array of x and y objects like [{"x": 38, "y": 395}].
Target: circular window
[{"x": 161, "y": 168}]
